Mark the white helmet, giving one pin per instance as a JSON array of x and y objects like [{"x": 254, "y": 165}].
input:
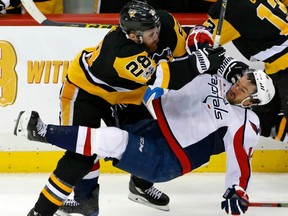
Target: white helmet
[{"x": 265, "y": 88}]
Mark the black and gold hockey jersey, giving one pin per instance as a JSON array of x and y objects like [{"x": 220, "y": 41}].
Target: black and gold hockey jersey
[
  {"x": 258, "y": 29},
  {"x": 119, "y": 70}
]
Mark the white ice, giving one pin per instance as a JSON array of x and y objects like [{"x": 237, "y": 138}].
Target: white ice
[{"x": 195, "y": 194}]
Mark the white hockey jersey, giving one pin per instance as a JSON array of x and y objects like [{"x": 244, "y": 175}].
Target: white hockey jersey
[{"x": 198, "y": 122}]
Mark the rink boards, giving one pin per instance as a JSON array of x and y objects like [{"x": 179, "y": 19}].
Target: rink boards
[
  {"x": 45, "y": 161},
  {"x": 28, "y": 157}
]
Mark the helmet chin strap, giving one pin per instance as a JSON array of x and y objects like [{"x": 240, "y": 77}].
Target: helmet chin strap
[
  {"x": 242, "y": 103},
  {"x": 141, "y": 39},
  {"x": 139, "y": 35},
  {"x": 246, "y": 106}
]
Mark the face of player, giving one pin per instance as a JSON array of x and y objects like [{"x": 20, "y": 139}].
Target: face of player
[
  {"x": 241, "y": 90},
  {"x": 151, "y": 38}
]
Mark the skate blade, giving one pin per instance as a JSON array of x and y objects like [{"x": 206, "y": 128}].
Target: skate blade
[
  {"x": 22, "y": 120},
  {"x": 143, "y": 201},
  {"x": 61, "y": 213}
]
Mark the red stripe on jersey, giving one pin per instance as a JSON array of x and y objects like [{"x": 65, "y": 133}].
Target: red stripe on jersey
[
  {"x": 173, "y": 143},
  {"x": 87, "y": 145},
  {"x": 242, "y": 157},
  {"x": 96, "y": 166}
]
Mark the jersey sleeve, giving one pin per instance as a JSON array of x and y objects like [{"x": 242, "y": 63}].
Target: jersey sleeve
[
  {"x": 240, "y": 141},
  {"x": 172, "y": 34}
]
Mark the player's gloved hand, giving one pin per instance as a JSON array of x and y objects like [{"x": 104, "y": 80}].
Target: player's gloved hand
[
  {"x": 200, "y": 37},
  {"x": 231, "y": 69},
  {"x": 237, "y": 201},
  {"x": 6, "y": 3},
  {"x": 207, "y": 60},
  {"x": 15, "y": 3},
  {"x": 2, "y": 5}
]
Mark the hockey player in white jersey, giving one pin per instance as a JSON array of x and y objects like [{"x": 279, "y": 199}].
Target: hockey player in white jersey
[{"x": 206, "y": 117}]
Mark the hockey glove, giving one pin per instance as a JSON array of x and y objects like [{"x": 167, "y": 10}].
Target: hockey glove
[
  {"x": 231, "y": 69},
  {"x": 16, "y": 3},
  {"x": 2, "y": 6},
  {"x": 236, "y": 202},
  {"x": 199, "y": 38},
  {"x": 207, "y": 60}
]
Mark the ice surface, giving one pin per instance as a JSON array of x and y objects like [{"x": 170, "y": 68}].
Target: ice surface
[{"x": 195, "y": 194}]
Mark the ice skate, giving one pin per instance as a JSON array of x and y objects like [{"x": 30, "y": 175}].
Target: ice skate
[
  {"x": 86, "y": 208},
  {"x": 32, "y": 212},
  {"x": 30, "y": 125},
  {"x": 151, "y": 197}
]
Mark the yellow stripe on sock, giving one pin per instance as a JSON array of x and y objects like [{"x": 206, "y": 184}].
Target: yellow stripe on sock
[
  {"x": 51, "y": 198},
  {"x": 60, "y": 184}
]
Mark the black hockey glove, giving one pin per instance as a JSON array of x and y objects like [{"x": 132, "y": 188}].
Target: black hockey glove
[
  {"x": 231, "y": 69},
  {"x": 16, "y": 3},
  {"x": 2, "y": 6},
  {"x": 207, "y": 60},
  {"x": 237, "y": 201}
]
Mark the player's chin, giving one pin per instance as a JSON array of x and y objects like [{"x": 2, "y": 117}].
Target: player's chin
[
  {"x": 230, "y": 96},
  {"x": 153, "y": 47}
]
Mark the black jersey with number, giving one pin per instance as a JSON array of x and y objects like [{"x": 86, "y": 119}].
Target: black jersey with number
[
  {"x": 119, "y": 70},
  {"x": 258, "y": 29}
]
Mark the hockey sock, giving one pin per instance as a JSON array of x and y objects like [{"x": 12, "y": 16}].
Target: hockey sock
[
  {"x": 52, "y": 196},
  {"x": 44, "y": 207}
]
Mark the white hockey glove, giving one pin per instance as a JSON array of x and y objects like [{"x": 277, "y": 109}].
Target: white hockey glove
[
  {"x": 207, "y": 60},
  {"x": 237, "y": 201},
  {"x": 200, "y": 37},
  {"x": 231, "y": 69}
]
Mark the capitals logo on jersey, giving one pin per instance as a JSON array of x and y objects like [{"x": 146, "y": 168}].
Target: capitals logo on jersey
[{"x": 216, "y": 99}]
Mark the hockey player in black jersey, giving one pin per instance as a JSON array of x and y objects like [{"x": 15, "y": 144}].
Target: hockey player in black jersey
[
  {"x": 108, "y": 82},
  {"x": 259, "y": 30}
]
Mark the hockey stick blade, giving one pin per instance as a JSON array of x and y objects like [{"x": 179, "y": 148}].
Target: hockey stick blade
[
  {"x": 36, "y": 14},
  {"x": 267, "y": 204}
]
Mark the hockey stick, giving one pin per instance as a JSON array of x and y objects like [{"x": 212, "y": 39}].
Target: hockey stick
[
  {"x": 32, "y": 9},
  {"x": 267, "y": 204},
  {"x": 220, "y": 23}
]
